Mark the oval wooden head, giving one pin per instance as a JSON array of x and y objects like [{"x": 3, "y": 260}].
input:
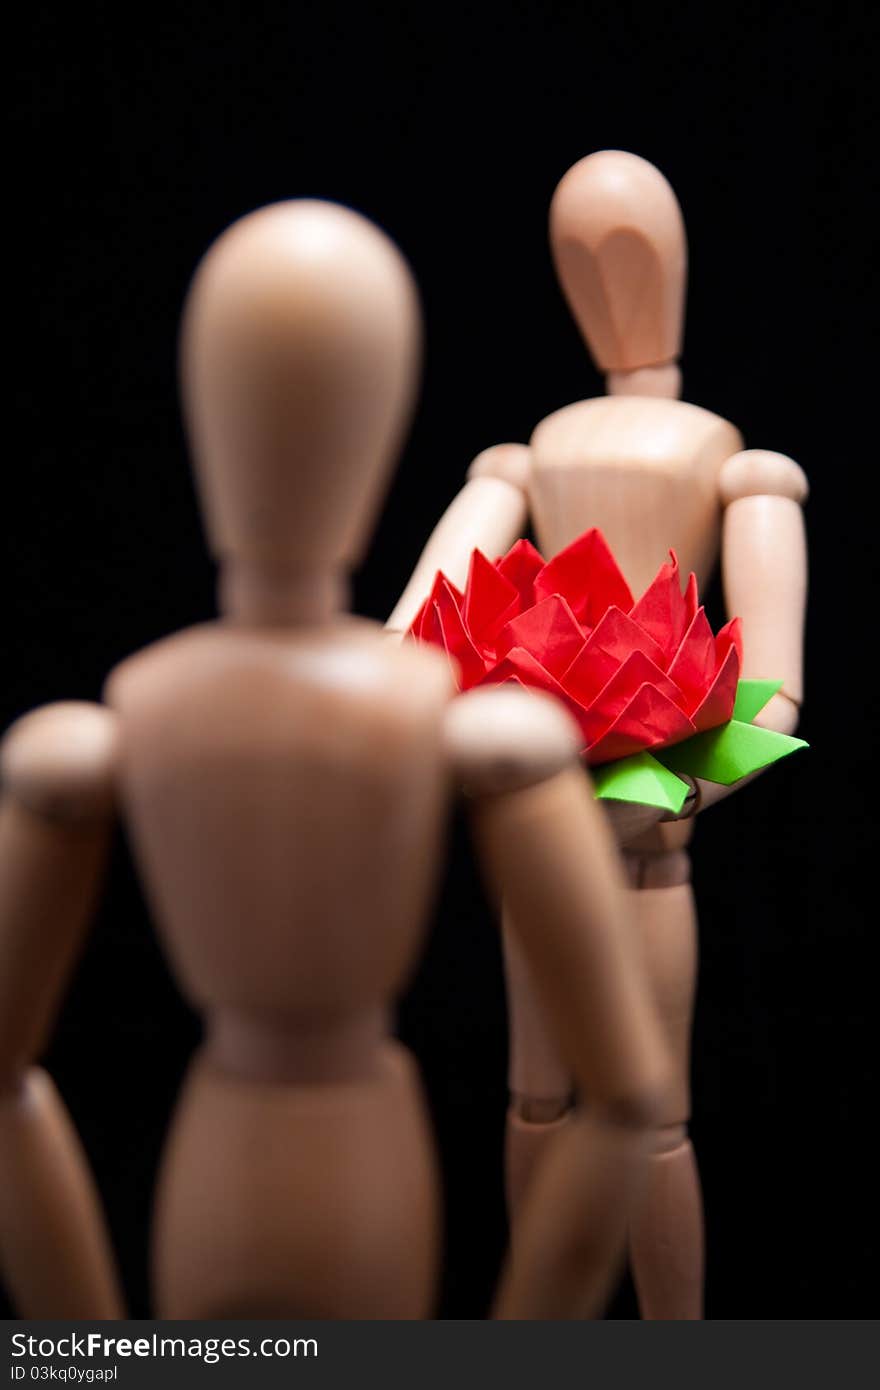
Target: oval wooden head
[
  {"x": 620, "y": 252},
  {"x": 300, "y": 349}
]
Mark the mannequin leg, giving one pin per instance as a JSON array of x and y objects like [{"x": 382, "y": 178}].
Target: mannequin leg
[
  {"x": 540, "y": 1087},
  {"x": 571, "y": 1228},
  {"x": 666, "y": 1233},
  {"x": 552, "y": 1153}
]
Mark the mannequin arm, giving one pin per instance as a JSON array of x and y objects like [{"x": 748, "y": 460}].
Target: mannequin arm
[
  {"x": 547, "y": 850},
  {"x": 55, "y": 823},
  {"x": 764, "y": 568},
  {"x": 489, "y": 514}
]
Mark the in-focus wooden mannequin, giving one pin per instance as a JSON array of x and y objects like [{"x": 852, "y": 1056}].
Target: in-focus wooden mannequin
[
  {"x": 285, "y": 774},
  {"x": 653, "y": 473}
]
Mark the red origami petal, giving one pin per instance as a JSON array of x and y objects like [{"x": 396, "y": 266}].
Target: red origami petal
[
  {"x": 694, "y": 665},
  {"x": 730, "y": 635},
  {"x": 549, "y": 631},
  {"x": 490, "y": 600},
  {"x": 662, "y": 610},
  {"x": 430, "y": 627},
  {"x": 415, "y": 627},
  {"x": 456, "y": 639},
  {"x": 519, "y": 567},
  {"x": 717, "y": 706},
  {"x": 455, "y": 592},
  {"x": 520, "y": 665},
  {"x": 614, "y": 697},
  {"x": 439, "y": 587},
  {"x": 649, "y": 720},
  {"x": 587, "y": 575},
  {"x": 691, "y": 600},
  {"x": 613, "y": 639}
]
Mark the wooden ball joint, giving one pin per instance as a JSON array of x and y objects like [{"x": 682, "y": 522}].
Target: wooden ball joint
[
  {"x": 653, "y": 473},
  {"x": 285, "y": 774}
]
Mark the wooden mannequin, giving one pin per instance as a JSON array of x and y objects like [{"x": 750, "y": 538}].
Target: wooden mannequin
[
  {"x": 652, "y": 473},
  {"x": 285, "y": 774}
]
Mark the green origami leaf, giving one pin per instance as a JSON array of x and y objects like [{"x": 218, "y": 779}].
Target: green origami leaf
[
  {"x": 640, "y": 778},
  {"x": 729, "y": 752},
  {"x": 751, "y": 697}
]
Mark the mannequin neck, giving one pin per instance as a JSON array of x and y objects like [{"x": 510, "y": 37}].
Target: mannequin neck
[{"x": 255, "y": 597}]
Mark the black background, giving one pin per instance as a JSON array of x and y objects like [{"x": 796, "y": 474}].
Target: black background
[{"x": 137, "y": 136}]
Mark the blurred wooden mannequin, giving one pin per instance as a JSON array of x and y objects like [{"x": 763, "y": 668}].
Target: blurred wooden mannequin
[
  {"x": 285, "y": 774},
  {"x": 653, "y": 473}
]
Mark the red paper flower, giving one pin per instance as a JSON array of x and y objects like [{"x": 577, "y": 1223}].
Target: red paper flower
[{"x": 636, "y": 675}]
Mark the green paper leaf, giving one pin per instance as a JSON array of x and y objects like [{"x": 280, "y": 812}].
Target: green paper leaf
[
  {"x": 640, "y": 778},
  {"x": 751, "y": 697},
  {"x": 729, "y": 752}
]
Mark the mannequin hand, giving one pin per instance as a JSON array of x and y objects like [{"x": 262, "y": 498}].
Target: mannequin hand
[{"x": 779, "y": 714}]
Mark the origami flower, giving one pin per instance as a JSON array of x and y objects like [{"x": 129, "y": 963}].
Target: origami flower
[{"x": 646, "y": 680}]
